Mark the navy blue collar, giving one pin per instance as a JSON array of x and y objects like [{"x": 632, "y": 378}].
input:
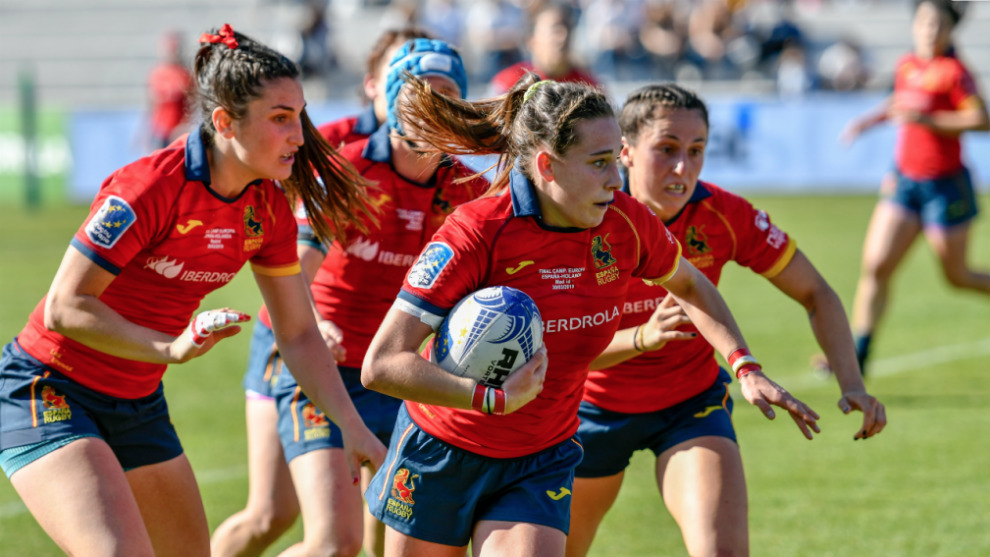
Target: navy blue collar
[
  {"x": 378, "y": 148},
  {"x": 700, "y": 193},
  {"x": 197, "y": 164},
  {"x": 367, "y": 122},
  {"x": 525, "y": 203}
]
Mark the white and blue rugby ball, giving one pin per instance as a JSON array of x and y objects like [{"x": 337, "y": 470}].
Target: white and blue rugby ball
[{"x": 488, "y": 335}]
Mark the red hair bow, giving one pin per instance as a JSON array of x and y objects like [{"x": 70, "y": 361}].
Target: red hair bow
[{"x": 226, "y": 37}]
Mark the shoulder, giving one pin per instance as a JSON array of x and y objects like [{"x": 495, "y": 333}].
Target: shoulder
[
  {"x": 162, "y": 172},
  {"x": 336, "y": 132}
]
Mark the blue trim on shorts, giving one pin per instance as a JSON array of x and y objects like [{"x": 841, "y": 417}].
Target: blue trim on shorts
[
  {"x": 264, "y": 362},
  {"x": 15, "y": 458},
  {"x": 942, "y": 202},
  {"x": 303, "y": 428},
  {"x": 39, "y": 405},
  {"x": 611, "y": 438},
  {"x": 431, "y": 490}
]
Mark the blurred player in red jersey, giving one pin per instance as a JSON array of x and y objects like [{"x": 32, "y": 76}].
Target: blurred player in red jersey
[
  {"x": 86, "y": 436},
  {"x": 494, "y": 466},
  {"x": 929, "y": 190},
  {"x": 170, "y": 87},
  {"x": 360, "y": 126},
  {"x": 550, "y": 54},
  {"x": 354, "y": 286},
  {"x": 657, "y": 385},
  {"x": 272, "y": 507}
]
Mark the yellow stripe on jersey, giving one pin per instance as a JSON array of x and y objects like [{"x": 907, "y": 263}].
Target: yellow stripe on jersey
[
  {"x": 785, "y": 258},
  {"x": 677, "y": 264},
  {"x": 970, "y": 103},
  {"x": 639, "y": 243},
  {"x": 293, "y": 269}
]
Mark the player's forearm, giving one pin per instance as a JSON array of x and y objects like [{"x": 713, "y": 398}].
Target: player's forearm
[
  {"x": 314, "y": 369},
  {"x": 408, "y": 376},
  {"x": 957, "y": 122},
  {"x": 831, "y": 329},
  {"x": 708, "y": 311},
  {"x": 87, "y": 320},
  {"x": 622, "y": 348}
]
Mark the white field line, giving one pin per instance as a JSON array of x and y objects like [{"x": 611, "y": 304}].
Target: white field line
[{"x": 878, "y": 368}]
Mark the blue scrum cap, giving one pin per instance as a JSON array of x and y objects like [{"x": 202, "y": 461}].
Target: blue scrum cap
[{"x": 421, "y": 57}]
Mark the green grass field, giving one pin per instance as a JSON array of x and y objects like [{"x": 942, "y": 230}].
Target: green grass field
[{"x": 920, "y": 489}]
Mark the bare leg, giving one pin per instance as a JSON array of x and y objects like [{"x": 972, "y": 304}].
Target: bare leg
[
  {"x": 172, "y": 508},
  {"x": 398, "y": 544},
  {"x": 891, "y": 232},
  {"x": 332, "y": 507},
  {"x": 493, "y": 538},
  {"x": 590, "y": 501},
  {"x": 80, "y": 497},
  {"x": 704, "y": 488},
  {"x": 271, "y": 507},
  {"x": 950, "y": 245}
]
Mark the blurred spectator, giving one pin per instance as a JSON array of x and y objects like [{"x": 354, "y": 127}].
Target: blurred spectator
[
  {"x": 793, "y": 76},
  {"x": 497, "y": 28},
  {"x": 444, "y": 19},
  {"x": 316, "y": 57},
  {"x": 663, "y": 35},
  {"x": 612, "y": 31},
  {"x": 718, "y": 42},
  {"x": 841, "y": 66},
  {"x": 169, "y": 89},
  {"x": 550, "y": 54}
]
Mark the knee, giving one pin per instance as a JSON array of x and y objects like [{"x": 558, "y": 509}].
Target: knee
[
  {"x": 958, "y": 277},
  {"x": 878, "y": 268},
  {"x": 347, "y": 546},
  {"x": 272, "y": 523}
]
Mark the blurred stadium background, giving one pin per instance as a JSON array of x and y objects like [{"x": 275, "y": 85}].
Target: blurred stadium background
[{"x": 777, "y": 103}]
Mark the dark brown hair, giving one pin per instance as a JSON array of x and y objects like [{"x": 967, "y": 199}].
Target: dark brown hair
[
  {"x": 644, "y": 105},
  {"x": 508, "y": 125},
  {"x": 231, "y": 78},
  {"x": 396, "y": 37}
]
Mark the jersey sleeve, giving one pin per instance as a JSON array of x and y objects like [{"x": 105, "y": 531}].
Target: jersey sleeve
[
  {"x": 660, "y": 252},
  {"x": 963, "y": 93},
  {"x": 125, "y": 216},
  {"x": 278, "y": 255},
  {"x": 451, "y": 266},
  {"x": 760, "y": 244}
]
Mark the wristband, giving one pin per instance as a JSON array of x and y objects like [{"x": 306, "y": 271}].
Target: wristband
[
  {"x": 736, "y": 355},
  {"x": 746, "y": 369},
  {"x": 478, "y": 398},
  {"x": 499, "y": 408},
  {"x": 637, "y": 337}
]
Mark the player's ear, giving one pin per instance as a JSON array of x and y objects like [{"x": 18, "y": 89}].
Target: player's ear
[
  {"x": 370, "y": 89},
  {"x": 625, "y": 155},
  {"x": 222, "y": 122},
  {"x": 544, "y": 165}
]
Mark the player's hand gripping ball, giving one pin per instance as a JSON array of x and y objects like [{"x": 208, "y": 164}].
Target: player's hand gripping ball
[{"x": 488, "y": 335}]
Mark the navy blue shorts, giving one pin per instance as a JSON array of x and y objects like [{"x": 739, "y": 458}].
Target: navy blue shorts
[
  {"x": 40, "y": 405},
  {"x": 430, "y": 490},
  {"x": 264, "y": 363},
  {"x": 611, "y": 438},
  {"x": 943, "y": 202},
  {"x": 303, "y": 427}
]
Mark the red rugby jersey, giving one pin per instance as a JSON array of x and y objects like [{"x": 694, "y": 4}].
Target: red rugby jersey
[
  {"x": 351, "y": 128},
  {"x": 927, "y": 86},
  {"x": 359, "y": 278},
  {"x": 578, "y": 278},
  {"x": 170, "y": 240},
  {"x": 715, "y": 227}
]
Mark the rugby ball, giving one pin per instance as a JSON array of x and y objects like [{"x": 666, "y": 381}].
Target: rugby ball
[{"x": 488, "y": 335}]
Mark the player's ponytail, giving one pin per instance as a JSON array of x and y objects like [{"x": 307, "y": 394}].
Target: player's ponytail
[
  {"x": 231, "y": 70},
  {"x": 512, "y": 125}
]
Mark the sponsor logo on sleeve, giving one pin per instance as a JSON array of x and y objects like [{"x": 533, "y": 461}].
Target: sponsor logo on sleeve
[
  {"x": 110, "y": 222},
  {"x": 430, "y": 264}
]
